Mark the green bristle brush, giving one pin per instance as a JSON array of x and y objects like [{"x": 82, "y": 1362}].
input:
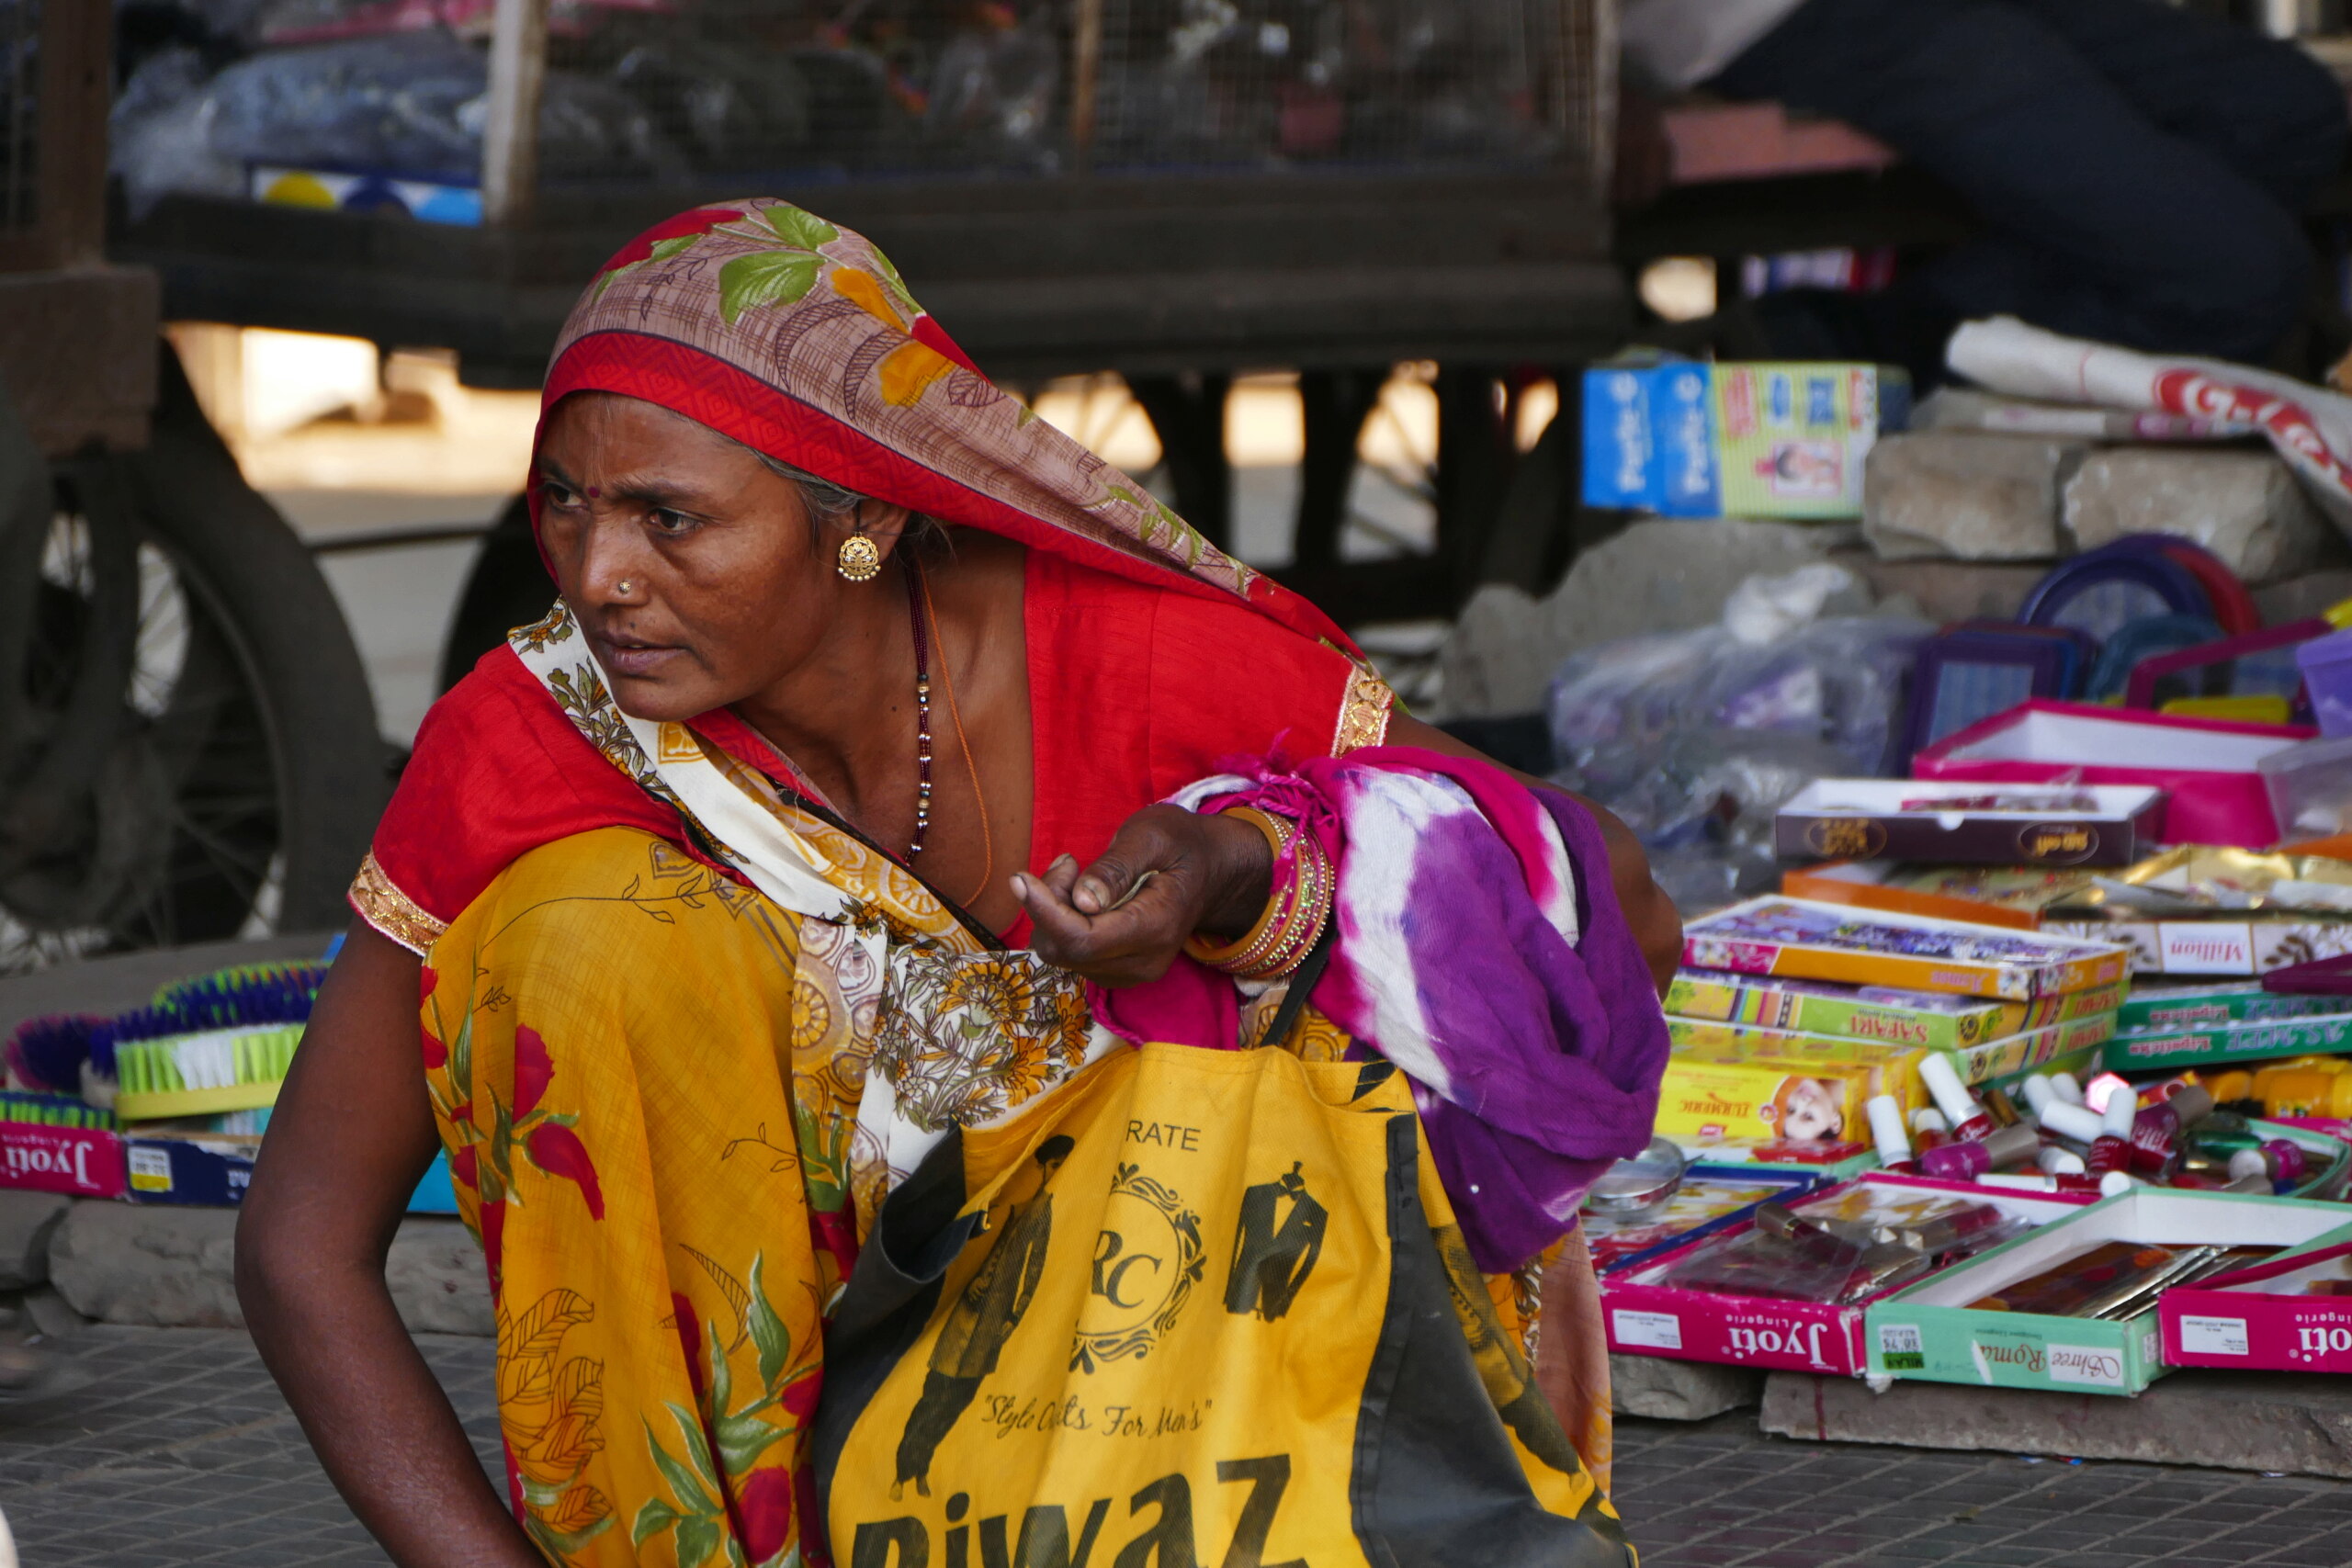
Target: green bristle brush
[{"x": 224, "y": 1043}]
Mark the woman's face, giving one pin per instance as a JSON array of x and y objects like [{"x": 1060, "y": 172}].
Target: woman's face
[
  {"x": 686, "y": 561},
  {"x": 1813, "y": 1113}
]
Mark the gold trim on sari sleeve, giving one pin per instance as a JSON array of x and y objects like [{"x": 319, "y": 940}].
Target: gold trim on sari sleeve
[
  {"x": 1364, "y": 713},
  {"x": 382, "y": 905}
]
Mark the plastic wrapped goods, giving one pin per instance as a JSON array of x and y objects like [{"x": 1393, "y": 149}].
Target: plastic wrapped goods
[
  {"x": 410, "y": 105},
  {"x": 1696, "y": 739}
]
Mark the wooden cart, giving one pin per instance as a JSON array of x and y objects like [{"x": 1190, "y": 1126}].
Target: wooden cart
[{"x": 1178, "y": 281}]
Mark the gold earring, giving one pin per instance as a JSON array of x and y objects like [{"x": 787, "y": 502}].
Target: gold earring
[{"x": 859, "y": 560}]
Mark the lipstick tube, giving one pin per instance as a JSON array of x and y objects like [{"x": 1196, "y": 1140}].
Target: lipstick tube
[
  {"x": 2055, "y": 1161},
  {"x": 2040, "y": 1093},
  {"x": 1969, "y": 1120},
  {"x": 1886, "y": 1130},
  {"x": 1969, "y": 1160},
  {"x": 2039, "y": 1182}
]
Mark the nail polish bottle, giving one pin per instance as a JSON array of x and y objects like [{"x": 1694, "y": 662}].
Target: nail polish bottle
[
  {"x": 2156, "y": 1131},
  {"x": 1928, "y": 1130},
  {"x": 1966, "y": 1160}
]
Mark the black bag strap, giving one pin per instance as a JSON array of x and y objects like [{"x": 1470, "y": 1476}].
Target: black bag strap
[{"x": 1302, "y": 981}]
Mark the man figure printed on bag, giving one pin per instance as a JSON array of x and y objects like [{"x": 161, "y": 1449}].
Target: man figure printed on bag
[{"x": 983, "y": 1319}]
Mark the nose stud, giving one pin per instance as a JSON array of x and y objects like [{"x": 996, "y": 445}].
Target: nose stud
[{"x": 623, "y": 586}]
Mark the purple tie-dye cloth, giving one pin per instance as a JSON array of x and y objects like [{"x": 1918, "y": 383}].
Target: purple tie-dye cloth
[{"x": 1482, "y": 950}]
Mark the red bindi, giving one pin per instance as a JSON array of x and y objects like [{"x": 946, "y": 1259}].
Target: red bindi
[{"x": 594, "y": 494}]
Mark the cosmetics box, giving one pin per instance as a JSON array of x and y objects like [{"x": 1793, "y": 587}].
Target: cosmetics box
[
  {"x": 1841, "y": 1162},
  {"x": 1781, "y": 936},
  {"x": 2254, "y": 946},
  {"x": 1930, "y": 1330},
  {"x": 2028, "y": 825},
  {"x": 2266, "y": 1318},
  {"x": 2212, "y": 1004},
  {"x": 1711, "y": 1198},
  {"x": 1936, "y": 1021},
  {"x": 1888, "y": 885},
  {"x": 1736, "y": 1091},
  {"x": 1743, "y": 440},
  {"x": 164, "y": 1166},
  {"x": 1698, "y": 1041},
  {"x": 2165, "y": 1050},
  {"x": 207, "y": 1169},
  {"x": 83, "y": 1162},
  {"x": 1644, "y": 1317},
  {"x": 2208, "y": 768}
]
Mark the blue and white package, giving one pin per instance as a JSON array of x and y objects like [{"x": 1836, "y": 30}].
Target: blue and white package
[
  {"x": 1683, "y": 438},
  {"x": 1620, "y": 450}
]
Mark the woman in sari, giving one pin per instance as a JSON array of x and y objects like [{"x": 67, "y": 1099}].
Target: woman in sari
[{"x": 825, "y": 813}]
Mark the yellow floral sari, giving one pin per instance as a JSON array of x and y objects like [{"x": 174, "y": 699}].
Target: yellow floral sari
[{"x": 672, "y": 1101}]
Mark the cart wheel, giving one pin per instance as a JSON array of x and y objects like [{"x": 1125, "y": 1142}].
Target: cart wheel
[
  {"x": 188, "y": 746},
  {"x": 507, "y": 587}
]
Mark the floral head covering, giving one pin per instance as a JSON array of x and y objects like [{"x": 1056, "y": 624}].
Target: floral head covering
[{"x": 798, "y": 338}]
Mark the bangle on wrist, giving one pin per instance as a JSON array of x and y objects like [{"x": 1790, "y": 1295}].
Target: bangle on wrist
[{"x": 1298, "y": 905}]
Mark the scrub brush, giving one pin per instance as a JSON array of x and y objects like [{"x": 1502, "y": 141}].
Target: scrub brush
[
  {"x": 304, "y": 975},
  {"x": 51, "y": 1111},
  {"x": 45, "y": 1054},
  {"x": 225, "y": 1045}
]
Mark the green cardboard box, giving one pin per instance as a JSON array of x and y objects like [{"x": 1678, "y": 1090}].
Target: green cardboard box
[
  {"x": 2162, "y": 1049},
  {"x": 2213, "y": 1004},
  {"x": 1930, "y": 1330}
]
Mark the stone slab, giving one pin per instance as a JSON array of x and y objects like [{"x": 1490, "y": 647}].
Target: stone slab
[
  {"x": 26, "y": 1220},
  {"x": 1967, "y": 496},
  {"x": 47, "y": 1314},
  {"x": 1679, "y": 1390},
  {"x": 165, "y": 1266},
  {"x": 2244, "y": 506},
  {"x": 2282, "y": 1422},
  {"x": 126, "y": 980}
]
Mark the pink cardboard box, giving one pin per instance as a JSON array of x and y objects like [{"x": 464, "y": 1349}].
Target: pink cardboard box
[
  {"x": 1646, "y": 1319},
  {"x": 2258, "y": 1319},
  {"x": 85, "y": 1162},
  {"x": 2207, "y": 767}
]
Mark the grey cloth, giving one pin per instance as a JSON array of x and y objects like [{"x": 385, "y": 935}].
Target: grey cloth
[{"x": 1679, "y": 43}]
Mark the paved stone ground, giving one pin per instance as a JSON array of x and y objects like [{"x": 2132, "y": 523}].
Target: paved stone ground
[
  {"x": 1719, "y": 1494},
  {"x": 180, "y": 1452}
]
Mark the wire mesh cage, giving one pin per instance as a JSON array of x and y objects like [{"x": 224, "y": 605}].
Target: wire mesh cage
[
  {"x": 19, "y": 114},
  {"x": 735, "y": 87},
  {"x": 52, "y": 138},
  {"x": 726, "y": 93},
  {"x": 1383, "y": 82}
]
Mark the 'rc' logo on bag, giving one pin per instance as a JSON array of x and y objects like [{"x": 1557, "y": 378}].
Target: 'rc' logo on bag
[{"x": 1146, "y": 1259}]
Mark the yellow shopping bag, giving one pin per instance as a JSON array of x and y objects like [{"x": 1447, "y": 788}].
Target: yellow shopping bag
[{"x": 1202, "y": 1308}]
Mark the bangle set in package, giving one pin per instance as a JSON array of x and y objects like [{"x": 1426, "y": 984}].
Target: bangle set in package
[
  {"x": 1843, "y": 1246},
  {"x": 2115, "y": 1280}
]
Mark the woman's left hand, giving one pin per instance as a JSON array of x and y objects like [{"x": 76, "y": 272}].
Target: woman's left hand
[{"x": 1168, "y": 874}]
